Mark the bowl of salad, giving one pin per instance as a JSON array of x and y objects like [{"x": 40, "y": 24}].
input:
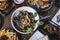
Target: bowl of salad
[{"x": 25, "y": 20}]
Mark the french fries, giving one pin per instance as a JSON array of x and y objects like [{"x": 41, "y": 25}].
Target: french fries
[{"x": 10, "y": 35}]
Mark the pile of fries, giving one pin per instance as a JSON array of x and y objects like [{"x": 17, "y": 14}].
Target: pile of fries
[{"x": 7, "y": 33}]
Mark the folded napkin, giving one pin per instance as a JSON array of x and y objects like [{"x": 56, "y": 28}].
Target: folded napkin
[
  {"x": 56, "y": 18},
  {"x": 36, "y": 35},
  {"x": 44, "y": 38}
]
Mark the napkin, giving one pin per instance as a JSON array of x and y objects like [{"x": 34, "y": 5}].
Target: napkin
[
  {"x": 36, "y": 35},
  {"x": 56, "y": 18},
  {"x": 44, "y": 38}
]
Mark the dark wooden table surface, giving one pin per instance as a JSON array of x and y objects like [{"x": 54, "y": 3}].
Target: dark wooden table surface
[{"x": 7, "y": 19}]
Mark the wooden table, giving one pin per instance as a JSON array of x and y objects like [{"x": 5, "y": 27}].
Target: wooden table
[{"x": 7, "y": 19}]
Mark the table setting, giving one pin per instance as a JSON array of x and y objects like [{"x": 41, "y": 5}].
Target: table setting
[{"x": 29, "y": 20}]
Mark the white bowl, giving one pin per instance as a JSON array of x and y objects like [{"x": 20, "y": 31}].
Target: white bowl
[
  {"x": 25, "y": 8},
  {"x": 18, "y": 1}
]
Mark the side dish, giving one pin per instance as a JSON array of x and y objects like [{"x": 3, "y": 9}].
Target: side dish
[
  {"x": 39, "y": 3},
  {"x": 3, "y": 5},
  {"x": 7, "y": 35}
]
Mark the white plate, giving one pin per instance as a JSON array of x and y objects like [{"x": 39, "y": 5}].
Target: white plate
[{"x": 25, "y": 8}]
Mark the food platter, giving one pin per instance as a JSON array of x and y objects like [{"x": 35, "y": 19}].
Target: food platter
[{"x": 25, "y": 8}]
